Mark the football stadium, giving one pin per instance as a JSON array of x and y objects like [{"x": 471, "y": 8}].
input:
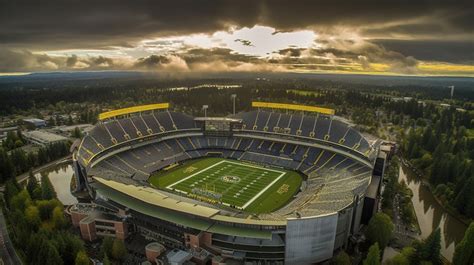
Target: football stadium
[{"x": 279, "y": 184}]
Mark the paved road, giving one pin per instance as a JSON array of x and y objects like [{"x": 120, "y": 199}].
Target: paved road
[
  {"x": 402, "y": 231},
  {"x": 7, "y": 251}
]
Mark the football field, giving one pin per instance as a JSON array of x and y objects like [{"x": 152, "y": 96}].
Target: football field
[{"x": 245, "y": 186}]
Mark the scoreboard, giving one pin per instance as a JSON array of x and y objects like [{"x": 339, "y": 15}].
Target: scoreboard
[
  {"x": 218, "y": 126},
  {"x": 213, "y": 125}
]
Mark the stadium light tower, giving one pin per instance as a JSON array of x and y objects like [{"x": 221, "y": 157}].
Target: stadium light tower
[
  {"x": 233, "y": 97},
  {"x": 205, "y": 107}
]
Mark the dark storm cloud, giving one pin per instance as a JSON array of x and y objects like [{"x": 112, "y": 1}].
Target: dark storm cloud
[
  {"x": 55, "y": 24},
  {"x": 200, "y": 55},
  {"x": 26, "y": 61},
  {"x": 433, "y": 50},
  {"x": 292, "y": 52},
  {"x": 245, "y": 42},
  {"x": 337, "y": 58}
]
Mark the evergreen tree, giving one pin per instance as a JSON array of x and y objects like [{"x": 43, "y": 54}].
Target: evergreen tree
[
  {"x": 32, "y": 185},
  {"x": 118, "y": 249},
  {"x": 52, "y": 256},
  {"x": 373, "y": 257},
  {"x": 431, "y": 248},
  {"x": 69, "y": 120},
  {"x": 106, "y": 247},
  {"x": 76, "y": 133},
  {"x": 464, "y": 253},
  {"x": 47, "y": 189},
  {"x": 11, "y": 189},
  {"x": 106, "y": 260},
  {"x": 7, "y": 168}
]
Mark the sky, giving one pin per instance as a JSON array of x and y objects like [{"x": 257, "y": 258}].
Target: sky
[{"x": 426, "y": 38}]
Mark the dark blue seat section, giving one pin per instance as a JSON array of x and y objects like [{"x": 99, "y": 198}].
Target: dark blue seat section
[
  {"x": 140, "y": 125},
  {"x": 129, "y": 128},
  {"x": 324, "y": 127}
]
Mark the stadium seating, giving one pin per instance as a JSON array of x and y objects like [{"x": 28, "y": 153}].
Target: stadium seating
[
  {"x": 142, "y": 160},
  {"x": 318, "y": 126}
]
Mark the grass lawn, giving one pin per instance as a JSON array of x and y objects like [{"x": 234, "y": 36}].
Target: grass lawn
[{"x": 250, "y": 187}]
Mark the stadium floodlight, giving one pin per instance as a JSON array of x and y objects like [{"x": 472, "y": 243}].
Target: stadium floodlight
[
  {"x": 233, "y": 97},
  {"x": 205, "y": 107}
]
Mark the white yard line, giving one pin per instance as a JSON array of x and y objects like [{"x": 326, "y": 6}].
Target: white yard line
[
  {"x": 259, "y": 167},
  {"x": 262, "y": 191},
  {"x": 190, "y": 176},
  {"x": 239, "y": 164}
]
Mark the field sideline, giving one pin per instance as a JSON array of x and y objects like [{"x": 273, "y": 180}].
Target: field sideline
[{"x": 246, "y": 186}]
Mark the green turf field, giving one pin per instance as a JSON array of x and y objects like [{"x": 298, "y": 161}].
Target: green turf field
[{"x": 242, "y": 185}]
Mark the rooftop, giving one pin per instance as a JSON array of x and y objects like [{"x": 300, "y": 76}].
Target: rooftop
[
  {"x": 178, "y": 256},
  {"x": 44, "y": 136}
]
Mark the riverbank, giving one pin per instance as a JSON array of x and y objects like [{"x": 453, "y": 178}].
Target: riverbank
[
  {"x": 431, "y": 215},
  {"x": 422, "y": 177}
]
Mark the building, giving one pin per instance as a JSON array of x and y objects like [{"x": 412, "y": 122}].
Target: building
[
  {"x": 116, "y": 158},
  {"x": 178, "y": 257},
  {"x": 94, "y": 222},
  {"x": 43, "y": 138},
  {"x": 67, "y": 130},
  {"x": 34, "y": 123},
  {"x": 153, "y": 251}
]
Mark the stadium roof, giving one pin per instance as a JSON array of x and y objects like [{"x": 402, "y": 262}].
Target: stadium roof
[
  {"x": 258, "y": 104},
  {"x": 172, "y": 215},
  {"x": 124, "y": 111},
  {"x": 155, "y": 197}
]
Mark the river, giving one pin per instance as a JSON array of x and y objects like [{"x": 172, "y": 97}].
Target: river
[
  {"x": 431, "y": 215},
  {"x": 60, "y": 176}
]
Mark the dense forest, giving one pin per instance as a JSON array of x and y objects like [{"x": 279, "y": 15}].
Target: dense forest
[
  {"x": 442, "y": 146},
  {"x": 17, "y": 161},
  {"x": 38, "y": 227}
]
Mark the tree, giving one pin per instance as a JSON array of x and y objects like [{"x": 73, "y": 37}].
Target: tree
[
  {"x": 69, "y": 120},
  {"x": 106, "y": 248},
  {"x": 403, "y": 258},
  {"x": 32, "y": 185},
  {"x": 380, "y": 229},
  {"x": 106, "y": 260},
  {"x": 82, "y": 258},
  {"x": 76, "y": 133},
  {"x": 431, "y": 247},
  {"x": 341, "y": 259},
  {"x": 46, "y": 208},
  {"x": 47, "y": 189},
  {"x": 58, "y": 218},
  {"x": 6, "y": 166},
  {"x": 464, "y": 254},
  {"x": 118, "y": 249},
  {"x": 21, "y": 201},
  {"x": 11, "y": 189},
  {"x": 32, "y": 216},
  {"x": 373, "y": 257},
  {"x": 52, "y": 256},
  {"x": 68, "y": 246}
]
